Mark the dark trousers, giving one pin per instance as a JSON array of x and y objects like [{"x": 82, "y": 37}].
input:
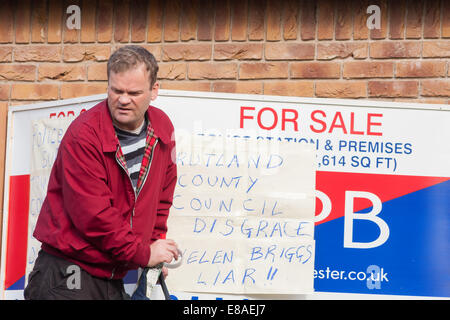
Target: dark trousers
[{"x": 54, "y": 278}]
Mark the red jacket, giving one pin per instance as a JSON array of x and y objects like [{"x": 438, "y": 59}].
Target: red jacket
[{"x": 90, "y": 215}]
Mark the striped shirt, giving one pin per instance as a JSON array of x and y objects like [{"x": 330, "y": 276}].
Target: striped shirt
[{"x": 133, "y": 149}]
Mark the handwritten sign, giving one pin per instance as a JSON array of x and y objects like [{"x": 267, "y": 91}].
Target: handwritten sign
[
  {"x": 243, "y": 215},
  {"x": 243, "y": 211},
  {"x": 47, "y": 136}
]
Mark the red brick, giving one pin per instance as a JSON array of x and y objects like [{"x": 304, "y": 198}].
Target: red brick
[
  {"x": 264, "y": 70},
  {"x": 382, "y": 31},
  {"x": 17, "y": 72},
  {"x": 154, "y": 49},
  {"x": 432, "y": 22},
  {"x": 240, "y": 51},
  {"x": 7, "y": 21},
  {"x": 291, "y": 88},
  {"x": 175, "y": 52},
  {"x": 307, "y": 20},
  {"x": 105, "y": 20},
  {"x": 39, "y": 21},
  {"x": 291, "y": 19},
  {"x": 186, "y": 85},
  {"x": 435, "y": 88},
  {"x": 172, "y": 71},
  {"x": 208, "y": 70},
  {"x": 6, "y": 53},
  {"x": 222, "y": 18},
  {"x": 289, "y": 51},
  {"x": 393, "y": 89},
  {"x": 341, "y": 50},
  {"x": 414, "y": 19},
  {"x": 239, "y": 20},
  {"x": 395, "y": 49},
  {"x": 138, "y": 10},
  {"x": 4, "y": 91},
  {"x": 205, "y": 20},
  {"x": 189, "y": 20},
  {"x": 34, "y": 91},
  {"x": 172, "y": 22},
  {"x": 54, "y": 21},
  {"x": 273, "y": 10},
  {"x": 419, "y": 69},
  {"x": 73, "y": 90},
  {"x": 121, "y": 23},
  {"x": 37, "y": 53},
  {"x": 397, "y": 19},
  {"x": 256, "y": 20},
  {"x": 325, "y": 29},
  {"x": 446, "y": 19},
  {"x": 64, "y": 72},
  {"x": 22, "y": 27},
  {"x": 344, "y": 20},
  {"x": 360, "y": 30},
  {"x": 97, "y": 72},
  {"x": 435, "y": 49},
  {"x": 341, "y": 89},
  {"x": 88, "y": 10},
  {"x": 155, "y": 20},
  {"x": 368, "y": 69},
  {"x": 77, "y": 53},
  {"x": 316, "y": 70},
  {"x": 70, "y": 35},
  {"x": 247, "y": 87}
]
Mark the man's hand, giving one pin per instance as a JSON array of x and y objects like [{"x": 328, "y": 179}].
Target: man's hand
[{"x": 162, "y": 250}]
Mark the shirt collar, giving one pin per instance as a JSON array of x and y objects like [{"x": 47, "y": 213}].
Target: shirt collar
[{"x": 110, "y": 140}]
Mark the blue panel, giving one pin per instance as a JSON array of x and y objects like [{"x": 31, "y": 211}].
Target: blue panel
[
  {"x": 415, "y": 260},
  {"x": 130, "y": 277}
]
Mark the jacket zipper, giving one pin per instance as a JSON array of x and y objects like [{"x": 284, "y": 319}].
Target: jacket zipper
[
  {"x": 135, "y": 194},
  {"x": 149, "y": 166}
]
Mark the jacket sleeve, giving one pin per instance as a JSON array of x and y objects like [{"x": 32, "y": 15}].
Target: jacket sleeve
[
  {"x": 166, "y": 195},
  {"x": 88, "y": 202}
]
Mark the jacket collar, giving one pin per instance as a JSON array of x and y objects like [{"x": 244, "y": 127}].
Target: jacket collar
[{"x": 109, "y": 138}]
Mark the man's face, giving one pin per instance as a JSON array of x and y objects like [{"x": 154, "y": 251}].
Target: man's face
[{"x": 129, "y": 95}]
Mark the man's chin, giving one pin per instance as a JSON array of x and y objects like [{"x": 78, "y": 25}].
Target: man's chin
[{"x": 123, "y": 123}]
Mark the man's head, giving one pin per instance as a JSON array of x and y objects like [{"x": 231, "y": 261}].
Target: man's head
[{"x": 132, "y": 73}]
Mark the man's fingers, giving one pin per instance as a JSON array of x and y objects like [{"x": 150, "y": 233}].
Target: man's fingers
[
  {"x": 165, "y": 272},
  {"x": 173, "y": 248}
]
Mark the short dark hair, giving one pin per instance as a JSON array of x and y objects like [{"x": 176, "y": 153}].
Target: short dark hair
[{"x": 130, "y": 56}]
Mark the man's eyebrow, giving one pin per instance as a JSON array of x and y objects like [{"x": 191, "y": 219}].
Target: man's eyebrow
[
  {"x": 131, "y": 91},
  {"x": 115, "y": 89}
]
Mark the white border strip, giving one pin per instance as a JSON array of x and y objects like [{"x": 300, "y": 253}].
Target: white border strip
[{"x": 252, "y": 97}]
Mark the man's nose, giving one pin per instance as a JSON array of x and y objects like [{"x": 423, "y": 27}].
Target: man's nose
[{"x": 124, "y": 99}]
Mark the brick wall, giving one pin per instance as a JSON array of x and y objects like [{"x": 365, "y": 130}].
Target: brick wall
[
  {"x": 301, "y": 48},
  {"x": 295, "y": 47}
]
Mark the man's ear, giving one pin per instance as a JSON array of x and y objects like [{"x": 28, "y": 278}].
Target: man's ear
[{"x": 155, "y": 89}]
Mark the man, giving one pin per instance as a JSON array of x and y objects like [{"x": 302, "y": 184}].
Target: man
[{"x": 109, "y": 191}]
